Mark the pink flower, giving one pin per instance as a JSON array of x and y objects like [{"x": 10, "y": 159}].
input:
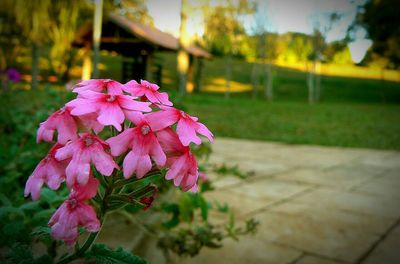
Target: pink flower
[
  {"x": 181, "y": 162},
  {"x": 203, "y": 177},
  {"x": 63, "y": 122},
  {"x": 86, "y": 150},
  {"x": 49, "y": 171},
  {"x": 143, "y": 144},
  {"x": 148, "y": 90},
  {"x": 99, "y": 85},
  {"x": 186, "y": 128},
  {"x": 74, "y": 212},
  {"x": 109, "y": 107}
]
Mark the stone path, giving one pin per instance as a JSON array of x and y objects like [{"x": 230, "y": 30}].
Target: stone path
[{"x": 315, "y": 204}]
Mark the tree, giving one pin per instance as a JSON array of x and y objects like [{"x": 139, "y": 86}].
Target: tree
[
  {"x": 381, "y": 19},
  {"x": 133, "y": 9},
  {"x": 67, "y": 16},
  {"x": 224, "y": 32},
  {"x": 34, "y": 21},
  {"x": 266, "y": 47},
  {"x": 301, "y": 45},
  {"x": 322, "y": 24}
]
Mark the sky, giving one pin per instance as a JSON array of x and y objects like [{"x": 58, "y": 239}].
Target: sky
[{"x": 278, "y": 15}]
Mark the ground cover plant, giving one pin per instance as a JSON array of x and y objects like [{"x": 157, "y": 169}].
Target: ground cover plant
[{"x": 114, "y": 153}]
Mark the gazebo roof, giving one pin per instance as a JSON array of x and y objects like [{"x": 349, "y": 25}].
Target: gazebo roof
[{"x": 143, "y": 33}]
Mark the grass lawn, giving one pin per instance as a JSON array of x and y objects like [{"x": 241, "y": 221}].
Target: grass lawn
[
  {"x": 334, "y": 124},
  {"x": 352, "y": 112}
]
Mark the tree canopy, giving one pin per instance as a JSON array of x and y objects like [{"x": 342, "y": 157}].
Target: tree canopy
[{"x": 381, "y": 19}]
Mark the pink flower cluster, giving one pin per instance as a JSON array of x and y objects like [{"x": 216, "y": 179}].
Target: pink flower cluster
[{"x": 151, "y": 133}]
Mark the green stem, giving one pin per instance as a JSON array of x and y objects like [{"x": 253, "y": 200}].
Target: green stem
[{"x": 92, "y": 237}]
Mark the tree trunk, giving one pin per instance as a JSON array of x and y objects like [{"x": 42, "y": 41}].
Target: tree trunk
[
  {"x": 35, "y": 66},
  {"x": 311, "y": 84},
  {"x": 183, "y": 57},
  {"x": 254, "y": 80},
  {"x": 269, "y": 82},
  {"x": 97, "y": 25},
  {"x": 228, "y": 75},
  {"x": 318, "y": 82},
  {"x": 69, "y": 62},
  {"x": 198, "y": 75}
]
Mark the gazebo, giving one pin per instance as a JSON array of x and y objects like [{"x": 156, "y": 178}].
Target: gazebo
[{"x": 137, "y": 43}]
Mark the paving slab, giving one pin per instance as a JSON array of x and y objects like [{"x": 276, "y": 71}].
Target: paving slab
[
  {"x": 269, "y": 190},
  {"x": 307, "y": 259},
  {"x": 388, "y": 251},
  {"x": 239, "y": 205},
  {"x": 315, "y": 205},
  {"x": 343, "y": 177},
  {"x": 354, "y": 202},
  {"x": 316, "y": 233},
  {"x": 247, "y": 250},
  {"x": 382, "y": 186}
]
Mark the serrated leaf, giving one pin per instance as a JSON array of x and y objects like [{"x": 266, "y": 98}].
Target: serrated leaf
[
  {"x": 42, "y": 231},
  {"x": 104, "y": 255}
]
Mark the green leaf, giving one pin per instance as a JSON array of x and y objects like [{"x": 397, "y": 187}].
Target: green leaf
[
  {"x": 174, "y": 210},
  {"x": 44, "y": 259},
  {"x": 43, "y": 215},
  {"x": 21, "y": 254},
  {"x": 4, "y": 200},
  {"x": 43, "y": 233},
  {"x": 203, "y": 207},
  {"x": 102, "y": 254},
  {"x": 186, "y": 207},
  {"x": 13, "y": 228},
  {"x": 34, "y": 206},
  {"x": 6, "y": 210},
  {"x": 52, "y": 197}
]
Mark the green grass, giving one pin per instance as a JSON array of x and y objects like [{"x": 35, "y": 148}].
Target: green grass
[
  {"x": 290, "y": 85},
  {"x": 333, "y": 124},
  {"x": 352, "y": 112}
]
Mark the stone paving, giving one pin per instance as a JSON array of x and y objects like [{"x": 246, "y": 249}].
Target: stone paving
[{"x": 314, "y": 204}]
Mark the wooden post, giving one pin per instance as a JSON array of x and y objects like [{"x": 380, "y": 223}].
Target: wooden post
[
  {"x": 183, "y": 57},
  {"x": 87, "y": 64},
  {"x": 198, "y": 75},
  {"x": 189, "y": 83},
  {"x": 149, "y": 67},
  {"x": 98, "y": 17}
]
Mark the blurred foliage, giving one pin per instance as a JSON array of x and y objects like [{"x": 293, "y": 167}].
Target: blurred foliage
[
  {"x": 381, "y": 20},
  {"x": 102, "y": 254},
  {"x": 232, "y": 170},
  {"x": 224, "y": 33},
  {"x": 184, "y": 228},
  {"x": 20, "y": 115}
]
